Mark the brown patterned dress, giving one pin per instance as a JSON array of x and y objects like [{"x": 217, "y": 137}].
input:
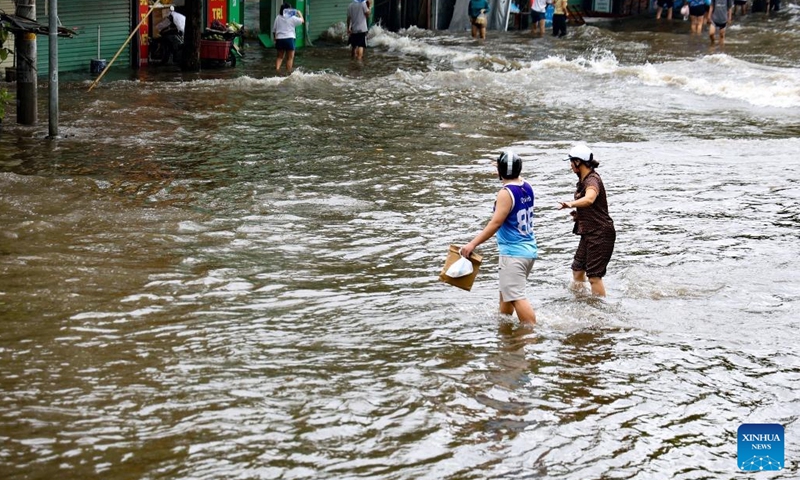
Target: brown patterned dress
[{"x": 596, "y": 229}]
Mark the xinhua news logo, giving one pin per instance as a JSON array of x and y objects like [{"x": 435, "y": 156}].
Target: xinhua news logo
[{"x": 760, "y": 447}]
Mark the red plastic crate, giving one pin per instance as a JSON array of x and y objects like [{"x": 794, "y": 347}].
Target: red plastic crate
[{"x": 214, "y": 49}]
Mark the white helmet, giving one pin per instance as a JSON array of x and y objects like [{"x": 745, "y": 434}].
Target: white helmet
[{"x": 580, "y": 152}]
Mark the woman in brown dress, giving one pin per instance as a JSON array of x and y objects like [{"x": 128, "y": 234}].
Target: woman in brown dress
[{"x": 592, "y": 221}]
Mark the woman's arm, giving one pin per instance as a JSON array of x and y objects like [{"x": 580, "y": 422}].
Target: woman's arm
[{"x": 588, "y": 198}]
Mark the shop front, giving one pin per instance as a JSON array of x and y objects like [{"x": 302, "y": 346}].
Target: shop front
[
  {"x": 224, "y": 11},
  {"x": 104, "y": 27}
]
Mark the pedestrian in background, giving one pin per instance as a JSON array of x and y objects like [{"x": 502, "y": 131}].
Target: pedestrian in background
[
  {"x": 538, "y": 12},
  {"x": 742, "y": 6},
  {"x": 664, "y": 4},
  {"x": 560, "y": 18},
  {"x": 592, "y": 222},
  {"x": 721, "y": 12},
  {"x": 512, "y": 221},
  {"x": 477, "y": 10},
  {"x": 357, "y": 27},
  {"x": 283, "y": 33},
  {"x": 697, "y": 15}
]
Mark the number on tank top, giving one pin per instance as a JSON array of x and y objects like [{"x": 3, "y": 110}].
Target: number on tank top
[{"x": 525, "y": 221}]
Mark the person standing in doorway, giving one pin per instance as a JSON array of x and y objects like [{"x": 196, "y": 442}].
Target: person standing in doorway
[
  {"x": 171, "y": 29},
  {"x": 477, "y": 10},
  {"x": 357, "y": 16},
  {"x": 512, "y": 221},
  {"x": 560, "y": 18},
  {"x": 592, "y": 222},
  {"x": 538, "y": 12},
  {"x": 283, "y": 33},
  {"x": 721, "y": 12}
]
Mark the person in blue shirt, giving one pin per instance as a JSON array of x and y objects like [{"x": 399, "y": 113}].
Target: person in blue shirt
[
  {"x": 512, "y": 221},
  {"x": 475, "y": 9},
  {"x": 697, "y": 14}
]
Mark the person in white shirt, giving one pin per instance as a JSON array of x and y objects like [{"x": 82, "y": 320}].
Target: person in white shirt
[
  {"x": 175, "y": 22},
  {"x": 538, "y": 10},
  {"x": 283, "y": 32},
  {"x": 171, "y": 29}
]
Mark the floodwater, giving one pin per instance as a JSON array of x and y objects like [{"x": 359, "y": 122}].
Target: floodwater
[{"x": 233, "y": 274}]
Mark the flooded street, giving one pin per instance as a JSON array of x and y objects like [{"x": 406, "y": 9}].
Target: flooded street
[{"x": 233, "y": 274}]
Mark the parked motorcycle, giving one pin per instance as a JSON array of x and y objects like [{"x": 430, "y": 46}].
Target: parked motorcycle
[{"x": 165, "y": 48}]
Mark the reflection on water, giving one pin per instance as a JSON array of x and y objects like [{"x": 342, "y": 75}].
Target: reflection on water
[{"x": 232, "y": 274}]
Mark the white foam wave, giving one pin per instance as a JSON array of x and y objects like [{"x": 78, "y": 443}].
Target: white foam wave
[
  {"x": 335, "y": 33},
  {"x": 244, "y": 82},
  {"x": 406, "y": 45},
  {"x": 727, "y": 77},
  {"x": 719, "y": 75},
  {"x": 456, "y": 65}
]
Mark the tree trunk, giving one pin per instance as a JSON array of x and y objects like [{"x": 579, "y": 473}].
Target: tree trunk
[{"x": 191, "y": 37}]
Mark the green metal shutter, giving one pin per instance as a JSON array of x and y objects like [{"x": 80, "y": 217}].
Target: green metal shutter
[
  {"x": 235, "y": 11},
  {"x": 323, "y": 14},
  {"x": 8, "y": 7},
  {"x": 75, "y": 54}
]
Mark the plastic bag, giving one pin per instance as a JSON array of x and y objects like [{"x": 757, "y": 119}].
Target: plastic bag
[
  {"x": 685, "y": 11},
  {"x": 481, "y": 20},
  {"x": 460, "y": 268}
]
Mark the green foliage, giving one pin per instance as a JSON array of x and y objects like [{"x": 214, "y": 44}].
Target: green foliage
[
  {"x": 5, "y": 97},
  {"x": 3, "y": 39}
]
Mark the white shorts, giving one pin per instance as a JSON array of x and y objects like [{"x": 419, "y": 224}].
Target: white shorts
[{"x": 514, "y": 273}]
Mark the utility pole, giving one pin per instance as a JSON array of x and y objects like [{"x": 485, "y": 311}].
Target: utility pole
[
  {"x": 53, "y": 36},
  {"x": 191, "y": 37},
  {"x": 25, "y": 51}
]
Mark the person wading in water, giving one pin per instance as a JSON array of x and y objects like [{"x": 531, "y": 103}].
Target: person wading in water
[
  {"x": 592, "y": 222},
  {"x": 512, "y": 221}
]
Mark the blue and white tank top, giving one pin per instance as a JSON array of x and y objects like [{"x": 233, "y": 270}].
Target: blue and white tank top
[{"x": 515, "y": 237}]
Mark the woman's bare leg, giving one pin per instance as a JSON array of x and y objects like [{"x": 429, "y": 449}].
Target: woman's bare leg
[
  {"x": 598, "y": 289},
  {"x": 289, "y": 61}
]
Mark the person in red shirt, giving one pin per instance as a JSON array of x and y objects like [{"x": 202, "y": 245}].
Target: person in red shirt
[{"x": 592, "y": 221}]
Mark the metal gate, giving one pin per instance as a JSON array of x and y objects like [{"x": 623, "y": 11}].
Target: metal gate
[{"x": 104, "y": 25}]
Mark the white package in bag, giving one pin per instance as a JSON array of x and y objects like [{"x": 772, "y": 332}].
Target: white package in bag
[{"x": 461, "y": 268}]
